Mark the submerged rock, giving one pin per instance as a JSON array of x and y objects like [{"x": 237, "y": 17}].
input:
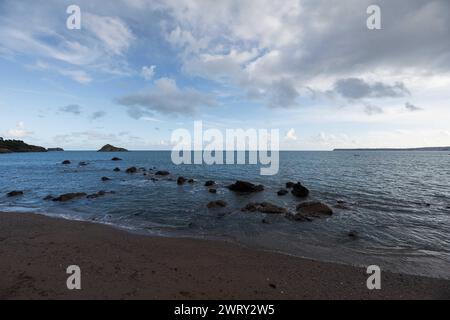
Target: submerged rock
[
  {"x": 99, "y": 194},
  {"x": 282, "y": 192},
  {"x": 212, "y": 190},
  {"x": 264, "y": 207},
  {"x": 66, "y": 162},
  {"x": 117, "y": 170},
  {"x": 191, "y": 181},
  {"x": 105, "y": 179},
  {"x": 300, "y": 191},
  {"x": 307, "y": 211},
  {"x": 162, "y": 173},
  {"x": 245, "y": 187},
  {"x": 48, "y": 198},
  {"x": 353, "y": 235},
  {"x": 181, "y": 181},
  {"x": 82, "y": 163},
  {"x": 210, "y": 183},
  {"x": 217, "y": 204},
  {"x": 70, "y": 196},
  {"x": 116, "y": 159},
  {"x": 131, "y": 170},
  {"x": 14, "y": 193}
]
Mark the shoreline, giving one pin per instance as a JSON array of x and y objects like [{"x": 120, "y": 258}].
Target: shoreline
[{"x": 116, "y": 264}]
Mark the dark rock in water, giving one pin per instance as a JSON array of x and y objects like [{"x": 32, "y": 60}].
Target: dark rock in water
[
  {"x": 264, "y": 207},
  {"x": 245, "y": 187},
  {"x": 70, "y": 196},
  {"x": 14, "y": 193},
  {"x": 306, "y": 211},
  {"x": 48, "y": 198},
  {"x": 191, "y": 181},
  {"x": 105, "y": 179},
  {"x": 217, "y": 204},
  {"x": 300, "y": 191},
  {"x": 212, "y": 190},
  {"x": 117, "y": 170},
  {"x": 116, "y": 159},
  {"x": 82, "y": 163},
  {"x": 181, "y": 181},
  {"x": 290, "y": 185},
  {"x": 210, "y": 183},
  {"x": 66, "y": 162},
  {"x": 110, "y": 148},
  {"x": 131, "y": 170},
  {"x": 162, "y": 173},
  {"x": 353, "y": 234},
  {"x": 282, "y": 192},
  {"x": 265, "y": 221},
  {"x": 99, "y": 194}
]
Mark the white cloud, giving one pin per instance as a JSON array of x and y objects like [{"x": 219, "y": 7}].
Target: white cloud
[
  {"x": 148, "y": 72},
  {"x": 291, "y": 135},
  {"x": 19, "y": 131},
  {"x": 167, "y": 98}
]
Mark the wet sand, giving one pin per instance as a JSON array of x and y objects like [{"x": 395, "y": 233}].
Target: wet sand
[{"x": 36, "y": 250}]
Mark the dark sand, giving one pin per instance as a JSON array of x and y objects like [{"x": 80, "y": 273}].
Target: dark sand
[{"x": 36, "y": 250}]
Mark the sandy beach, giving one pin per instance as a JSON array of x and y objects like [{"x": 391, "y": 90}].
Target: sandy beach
[{"x": 36, "y": 250}]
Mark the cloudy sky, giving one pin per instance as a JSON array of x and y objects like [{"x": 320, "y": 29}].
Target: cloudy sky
[{"x": 139, "y": 69}]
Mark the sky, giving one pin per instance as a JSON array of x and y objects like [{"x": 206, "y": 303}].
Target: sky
[{"x": 138, "y": 69}]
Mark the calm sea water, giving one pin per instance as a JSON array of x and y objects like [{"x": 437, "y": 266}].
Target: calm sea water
[{"x": 398, "y": 202}]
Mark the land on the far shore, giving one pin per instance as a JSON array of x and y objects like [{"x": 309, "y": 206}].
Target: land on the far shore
[
  {"x": 36, "y": 251},
  {"x": 399, "y": 149}
]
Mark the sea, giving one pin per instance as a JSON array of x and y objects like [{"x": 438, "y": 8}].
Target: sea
[{"x": 395, "y": 204}]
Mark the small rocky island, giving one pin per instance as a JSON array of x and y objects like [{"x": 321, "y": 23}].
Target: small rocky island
[
  {"x": 110, "y": 148},
  {"x": 10, "y": 146}
]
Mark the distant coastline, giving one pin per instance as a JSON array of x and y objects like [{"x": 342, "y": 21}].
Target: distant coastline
[{"x": 398, "y": 149}]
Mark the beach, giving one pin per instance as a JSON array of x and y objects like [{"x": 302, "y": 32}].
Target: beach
[{"x": 36, "y": 250}]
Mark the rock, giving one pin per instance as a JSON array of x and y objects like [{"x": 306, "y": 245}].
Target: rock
[
  {"x": 116, "y": 159},
  {"x": 217, "y": 204},
  {"x": 14, "y": 193},
  {"x": 264, "y": 207},
  {"x": 353, "y": 234},
  {"x": 82, "y": 163},
  {"x": 341, "y": 204},
  {"x": 48, "y": 198},
  {"x": 55, "y": 149},
  {"x": 99, "y": 194},
  {"x": 110, "y": 148},
  {"x": 282, "y": 192},
  {"x": 191, "y": 181},
  {"x": 117, "y": 170},
  {"x": 212, "y": 190},
  {"x": 181, "y": 181},
  {"x": 162, "y": 173},
  {"x": 290, "y": 185},
  {"x": 66, "y": 162},
  {"x": 306, "y": 211},
  {"x": 210, "y": 183},
  {"x": 70, "y": 196},
  {"x": 265, "y": 221},
  {"x": 131, "y": 170},
  {"x": 300, "y": 191},
  {"x": 245, "y": 187},
  {"x": 105, "y": 179}
]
